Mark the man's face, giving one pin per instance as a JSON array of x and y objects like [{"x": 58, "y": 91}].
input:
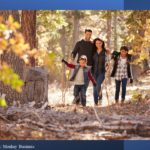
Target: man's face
[
  {"x": 82, "y": 62},
  {"x": 123, "y": 53},
  {"x": 88, "y": 35}
]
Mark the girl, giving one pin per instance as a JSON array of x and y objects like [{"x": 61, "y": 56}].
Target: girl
[{"x": 121, "y": 71}]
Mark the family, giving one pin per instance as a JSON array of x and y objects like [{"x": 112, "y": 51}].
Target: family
[{"x": 92, "y": 64}]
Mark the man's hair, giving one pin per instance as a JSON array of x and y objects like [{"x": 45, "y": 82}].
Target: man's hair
[
  {"x": 124, "y": 48},
  {"x": 88, "y": 30}
]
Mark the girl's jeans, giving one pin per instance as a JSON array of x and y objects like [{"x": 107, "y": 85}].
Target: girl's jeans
[{"x": 124, "y": 84}]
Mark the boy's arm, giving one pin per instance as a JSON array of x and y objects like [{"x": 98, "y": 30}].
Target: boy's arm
[
  {"x": 68, "y": 64},
  {"x": 91, "y": 78}
]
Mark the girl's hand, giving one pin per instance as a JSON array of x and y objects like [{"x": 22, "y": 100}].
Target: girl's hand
[{"x": 131, "y": 81}]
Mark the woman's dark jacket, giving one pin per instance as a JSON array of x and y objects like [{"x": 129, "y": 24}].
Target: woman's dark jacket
[{"x": 99, "y": 61}]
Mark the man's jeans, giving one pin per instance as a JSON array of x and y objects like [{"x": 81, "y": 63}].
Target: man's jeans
[
  {"x": 80, "y": 94},
  {"x": 97, "y": 89},
  {"x": 124, "y": 84}
]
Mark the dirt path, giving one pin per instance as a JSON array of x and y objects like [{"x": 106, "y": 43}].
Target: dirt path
[{"x": 58, "y": 121}]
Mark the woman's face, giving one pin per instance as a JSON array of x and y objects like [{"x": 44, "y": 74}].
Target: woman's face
[{"x": 98, "y": 44}]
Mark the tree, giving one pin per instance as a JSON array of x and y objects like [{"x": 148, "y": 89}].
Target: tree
[
  {"x": 115, "y": 31},
  {"x": 35, "y": 79},
  {"x": 109, "y": 26},
  {"x": 7, "y": 13},
  {"x": 137, "y": 28},
  {"x": 14, "y": 61},
  {"x": 28, "y": 28}
]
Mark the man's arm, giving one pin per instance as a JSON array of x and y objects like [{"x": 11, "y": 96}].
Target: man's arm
[{"x": 75, "y": 50}]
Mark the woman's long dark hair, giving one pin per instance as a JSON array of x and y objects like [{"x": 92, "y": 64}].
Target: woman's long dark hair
[{"x": 94, "y": 44}]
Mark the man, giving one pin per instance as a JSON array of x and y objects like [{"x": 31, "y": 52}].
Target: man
[{"x": 84, "y": 47}]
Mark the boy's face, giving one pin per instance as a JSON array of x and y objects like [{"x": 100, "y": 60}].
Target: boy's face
[
  {"x": 123, "y": 53},
  {"x": 82, "y": 62}
]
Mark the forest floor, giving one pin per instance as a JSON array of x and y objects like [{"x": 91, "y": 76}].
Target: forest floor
[{"x": 67, "y": 122}]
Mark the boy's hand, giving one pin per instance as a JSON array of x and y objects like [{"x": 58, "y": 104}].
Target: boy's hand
[
  {"x": 131, "y": 81},
  {"x": 63, "y": 61}
]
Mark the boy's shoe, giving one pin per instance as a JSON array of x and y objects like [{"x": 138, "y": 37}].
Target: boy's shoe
[
  {"x": 76, "y": 101},
  {"x": 100, "y": 102},
  {"x": 74, "y": 109},
  {"x": 100, "y": 97}
]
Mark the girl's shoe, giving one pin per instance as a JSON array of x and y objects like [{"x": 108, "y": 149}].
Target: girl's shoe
[{"x": 122, "y": 102}]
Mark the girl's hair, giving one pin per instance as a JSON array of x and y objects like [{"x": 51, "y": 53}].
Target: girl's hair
[
  {"x": 124, "y": 48},
  {"x": 94, "y": 44}
]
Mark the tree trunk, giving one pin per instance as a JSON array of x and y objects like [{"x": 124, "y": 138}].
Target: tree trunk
[
  {"x": 62, "y": 45},
  {"x": 108, "y": 44},
  {"x": 36, "y": 78},
  {"x": 115, "y": 30},
  {"x": 76, "y": 23},
  {"x": 109, "y": 19},
  {"x": 28, "y": 28}
]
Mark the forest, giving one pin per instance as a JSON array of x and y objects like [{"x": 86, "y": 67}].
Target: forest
[{"x": 35, "y": 92}]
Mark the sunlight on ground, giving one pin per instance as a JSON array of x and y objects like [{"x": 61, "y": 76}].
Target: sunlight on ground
[{"x": 55, "y": 94}]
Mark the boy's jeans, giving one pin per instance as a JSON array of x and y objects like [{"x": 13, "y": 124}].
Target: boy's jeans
[
  {"x": 99, "y": 80},
  {"x": 124, "y": 84},
  {"x": 80, "y": 94}
]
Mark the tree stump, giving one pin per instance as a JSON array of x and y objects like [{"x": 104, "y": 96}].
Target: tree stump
[{"x": 36, "y": 86}]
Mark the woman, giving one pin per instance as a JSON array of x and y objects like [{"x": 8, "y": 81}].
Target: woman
[{"x": 99, "y": 67}]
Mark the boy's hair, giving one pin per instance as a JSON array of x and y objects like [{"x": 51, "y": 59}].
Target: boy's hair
[
  {"x": 124, "y": 48},
  {"x": 88, "y": 30}
]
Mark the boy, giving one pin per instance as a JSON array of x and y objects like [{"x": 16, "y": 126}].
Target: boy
[
  {"x": 121, "y": 71},
  {"x": 80, "y": 76}
]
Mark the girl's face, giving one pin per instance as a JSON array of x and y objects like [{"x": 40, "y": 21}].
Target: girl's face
[
  {"x": 82, "y": 62},
  {"x": 98, "y": 44},
  {"x": 123, "y": 53}
]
